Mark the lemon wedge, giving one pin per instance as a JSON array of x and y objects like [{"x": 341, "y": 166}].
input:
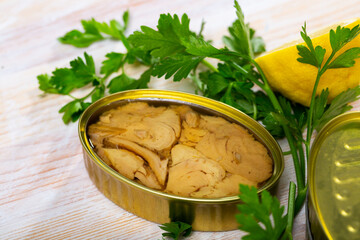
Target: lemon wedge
[{"x": 296, "y": 80}]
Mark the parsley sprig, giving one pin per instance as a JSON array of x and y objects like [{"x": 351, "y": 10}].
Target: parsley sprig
[
  {"x": 318, "y": 115},
  {"x": 176, "y": 230},
  {"x": 172, "y": 50},
  {"x": 82, "y": 75},
  {"x": 94, "y": 31}
]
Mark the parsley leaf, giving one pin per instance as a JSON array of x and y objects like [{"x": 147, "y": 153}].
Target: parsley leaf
[
  {"x": 176, "y": 230},
  {"x": 240, "y": 33},
  {"x": 83, "y": 39},
  {"x": 309, "y": 54},
  {"x": 267, "y": 211},
  {"x": 180, "y": 65},
  {"x": 45, "y": 84},
  {"x": 98, "y": 93},
  {"x": 338, "y": 106},
  {"x": 342, "y": 36},
  {"x": 166, "y": 41},
  {"x": 295, "y": 115},
  {"x": 73, "y": 110},
  {"x": 124, "y": 82},
  {"x": 64, "y": 80},
  {"x": 319, "y": 107},
  {"x": 257, "y": 42},
  {"x": 113, "y": 63},
  {"x": 308, "y": 57},
  {"x": 216, "y": 83},
  {"x": 93, "y": 32},
  {"x": 346, "y": 59},
  {"x": 121, "y": 83}
]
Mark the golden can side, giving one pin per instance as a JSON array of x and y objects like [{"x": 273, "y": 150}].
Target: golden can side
[
  {"x": 334, "y": 180},
  {"x": 204, "y": 214}
]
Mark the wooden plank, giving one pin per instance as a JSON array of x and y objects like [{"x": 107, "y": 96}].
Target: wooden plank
[{"x": 45, "y": 190}]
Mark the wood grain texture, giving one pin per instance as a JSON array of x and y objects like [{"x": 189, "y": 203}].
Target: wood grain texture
[{"x": 45, "y": 190}]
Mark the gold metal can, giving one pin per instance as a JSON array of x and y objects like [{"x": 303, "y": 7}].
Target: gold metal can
[
  {"x": 334, "y": 180},
  {"x": 203, "y": 214}
]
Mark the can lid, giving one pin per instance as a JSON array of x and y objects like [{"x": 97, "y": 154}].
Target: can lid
[{"x": 334, "y": 177}]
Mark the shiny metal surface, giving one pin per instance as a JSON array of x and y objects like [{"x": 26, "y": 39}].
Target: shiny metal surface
[
  {"x": 334, "y": 182},
  {"x": 204, "y": 214}
]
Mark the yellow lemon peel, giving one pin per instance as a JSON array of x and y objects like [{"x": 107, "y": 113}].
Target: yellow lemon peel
[{"x": 296, "y": 80}]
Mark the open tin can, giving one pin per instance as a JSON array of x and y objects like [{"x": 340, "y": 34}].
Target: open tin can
[
  {"x": 203, "y": 214},
  {"x": 334, "y": 180}
]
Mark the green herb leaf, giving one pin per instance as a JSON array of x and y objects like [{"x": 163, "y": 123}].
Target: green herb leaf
[
  {"x": 235, "y": 42},
  {"x": 83, "y": 39},
  {"x": 199, "y": 47},
  {"x": 241, "y": 33},
  {"x": 98, "y": 93},
  {"x": 319, "y": 54},
  {"x": 257, "y": 43},
  {"x": 179, "y": 65},
  {"x": 124, "y": 82},
  {"x": 121, "y": 83},
  {"x": 166, "y": 41},
  {"x": 265, "y": 110},
  {"x": 144, "y": 79},
  {"x": 176, "y": 230},
  {"x": 215, "y": 83},
  {"x": 309, "y": 54},
  {"x": 319, "y": 107},
  {"x": 92, "y": 32},
  {"x": 342, "y": 36},
  {"x": 306, "y": 56},
  {"x": 73, "y": 110},
  {"x": 346, "y": 59},
  {"x": 113, "y": 63},
  {"x": 338, "y": 106},
  {"x": 114, "y": 29},
  {"x": 45, "y": 84},
  {"x": 261, "y": 219},
  {"x": 174, "y": 37},
  {"x": 143, "y": 57},
  {"x": 125, "y": 18},
  {"x": 80, "y": 74},
  {"x": 295, "y": 115}
]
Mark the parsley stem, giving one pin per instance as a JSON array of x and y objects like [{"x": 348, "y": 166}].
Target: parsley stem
[
  {"x": 300, "y": 199},
  {"x": 124, "y": 41},
  {"x": 89, "y": 94},
  {"x": 75, "y": 98},
  {"x": 300, "y": 176},
  {"x": 255, "y": 111},
  {"x": 302, "y": 158},
  {"x": 310, "y": 129},
  {"x": 209, "y": 65},
  {"x": 294, "y": 151},
  {"x": 246, "y": 73},
  {"x": 326, "y": 65},
  {"x": 287, "y": 153},
  {"x": 290, "y": 211}
]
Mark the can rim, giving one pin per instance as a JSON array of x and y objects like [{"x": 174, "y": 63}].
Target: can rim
[
  {"x": 327, "y": 129},
  {"x": 185, "y": 98}
]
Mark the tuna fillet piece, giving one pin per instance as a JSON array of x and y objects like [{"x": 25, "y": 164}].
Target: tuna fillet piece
[
  {"x": 191, "y": 171},
  {"x": 156, "y": 128},
  {"x": 157, "y": 133},
  {"x": 148, "y": 178},
  {"x": 131, "y": 166},
  {"x": 158, "y": 166},
  {"x": 97, "y": 132},
  {"x": 235, "y": 149},
  {"x": 229, "y": 186}
]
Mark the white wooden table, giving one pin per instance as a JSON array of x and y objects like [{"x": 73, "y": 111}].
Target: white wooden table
[{"x": 45, "y": 191}]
